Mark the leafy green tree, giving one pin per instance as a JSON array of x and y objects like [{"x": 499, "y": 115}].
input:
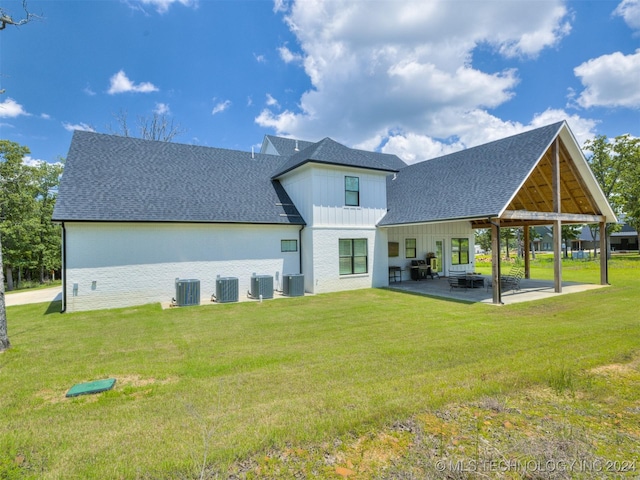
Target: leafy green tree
[
  {"x": 569, "y": 233},
  {"x": 18, "y": 204},
  {"x": 483, "y": 238},
  {"x": 627, "y": 150},
  {"x": 48, "y": 244},
  {"x": 608, "y": 168},
  {"x": 507, "y": 236}
]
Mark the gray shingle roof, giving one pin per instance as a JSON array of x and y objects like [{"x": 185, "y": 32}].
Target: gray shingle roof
[
  {"x": 328, "y": 151},
  {"x": 285, "y": 146},
  {"x": 112, "y": 178},
  {"x": 473, "y": 183}
]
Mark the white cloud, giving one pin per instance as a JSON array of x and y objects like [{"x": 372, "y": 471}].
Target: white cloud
[
  {"x": 272, "y": 102},
  {"x": 629, "y": 10},
  {"x": 260, "y": 58},
  {"x": 120, "y": 83},
  {"x": 162, "y": 109},
  {"x": 45, "y": 116},
  {"x": 11, "y": 109},
  {"x": 400, "y": 75},
  {"x": 476, "y": 128},
  {"x": 162, "y": 6},
  {"x": 288, "y": 56},
  {"x": 84, "y": 127},
  {"x": 610, "y": 81},
  {"x": 220, "y": 107}
]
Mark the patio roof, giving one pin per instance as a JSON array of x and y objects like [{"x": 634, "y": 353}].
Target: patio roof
[{"x": 510, "y": 179}]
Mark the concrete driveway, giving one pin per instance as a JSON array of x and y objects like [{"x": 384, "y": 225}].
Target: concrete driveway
[{"x": 33, "y": 296}]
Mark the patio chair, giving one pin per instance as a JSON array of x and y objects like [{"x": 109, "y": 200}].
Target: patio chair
[
  {"x": 512, "y": 280},
  {"x": 456, "y": 281}
]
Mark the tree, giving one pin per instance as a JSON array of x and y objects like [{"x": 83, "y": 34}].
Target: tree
[
  {"x": 17, "y": 206},
  {"x": 569, "y": 232},
  {"x": 158, "y": 127},
  {"x": 483, "y": 238},
  {"x": 628, "y": 150},
  {"x": 607, "y": 167},
  {"x": 6, "y": 19},
  {"x": 47, "y": 178},
  {"x": 507, "y": 235},
  {"x": 4, "y": 337}
]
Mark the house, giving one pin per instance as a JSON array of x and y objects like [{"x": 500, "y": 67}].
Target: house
[
  {"x": 543, "y": 241},
  {"x": 623, "y": 240},
  {"x": 138, "y": 214}
]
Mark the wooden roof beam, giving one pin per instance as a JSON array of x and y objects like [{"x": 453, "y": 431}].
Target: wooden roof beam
[{"x": 550, "y": 217}]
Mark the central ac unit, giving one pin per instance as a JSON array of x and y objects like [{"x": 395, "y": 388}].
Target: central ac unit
[
  {"x": 293, "y": 285},
  {"x": 262, "y": 285},
  {"x": 226, "y": 289},
  {"x": 187, "y": 292}
]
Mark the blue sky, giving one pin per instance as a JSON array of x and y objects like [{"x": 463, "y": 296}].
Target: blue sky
[{"x": 415, "y": 78}]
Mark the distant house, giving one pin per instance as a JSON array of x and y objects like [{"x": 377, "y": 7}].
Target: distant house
[
  {"x": 138, "y": 214},
  {"x": 543, "y": 241},
  {"x": 623, "y": 240}
]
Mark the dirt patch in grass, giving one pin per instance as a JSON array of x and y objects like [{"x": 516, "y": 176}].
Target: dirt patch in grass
[
  {"x": 122, "y": 381},
  {"x": 539, "y": 432},
  {"x": 618, "y": 369},
  {"x": 138, "y": 381}
]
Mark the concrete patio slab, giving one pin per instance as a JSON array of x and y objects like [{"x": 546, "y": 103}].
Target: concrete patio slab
[{"x": 529, "y": 290}]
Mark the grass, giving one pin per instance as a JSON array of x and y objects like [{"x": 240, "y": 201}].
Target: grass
[{"x": 349, "y": 385}]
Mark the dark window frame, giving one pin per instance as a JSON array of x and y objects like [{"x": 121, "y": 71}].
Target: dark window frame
[
  {"x": 350, "y": 193},
  {"x": 349, "y": 258},
  {"x": 287, "y": 241},
  {"x": 460, "y": 250},
  {"x": 408, "y": 249}
]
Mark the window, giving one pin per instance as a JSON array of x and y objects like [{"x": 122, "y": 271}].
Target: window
[
  {"x": 352, "y": 191},
  {"x": 459, "y": 251},
  {"x": 288, "y": 245},
  {"x": 353, "y": 256},
  {"x": 410, "y": 248}
]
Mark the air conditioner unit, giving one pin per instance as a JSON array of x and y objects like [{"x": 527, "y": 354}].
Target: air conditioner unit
[
  {"x": 261, "y": 285},
  {"x": 293, "y": 285},
  {"x": 226, "y": 289},
  {"x": 187, "y": 292}
]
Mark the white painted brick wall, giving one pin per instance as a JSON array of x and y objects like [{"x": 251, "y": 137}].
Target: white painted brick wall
[
  {"x": 134, "y": 264},
  {"x": 327, "y": 276}
]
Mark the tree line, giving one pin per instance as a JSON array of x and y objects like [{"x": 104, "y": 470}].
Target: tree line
[{"x": 31, "y": 243}]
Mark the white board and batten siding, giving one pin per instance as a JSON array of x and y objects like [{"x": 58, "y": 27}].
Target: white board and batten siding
[
  {"x": 122, "y": 264},
  {"x": 318, "y": 191},
  {"x": 426, "y": 236}
]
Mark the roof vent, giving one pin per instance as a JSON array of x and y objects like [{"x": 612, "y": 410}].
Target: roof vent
[{"x": 296, "y": 149}]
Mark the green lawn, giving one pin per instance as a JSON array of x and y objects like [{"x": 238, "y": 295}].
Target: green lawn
[{"x": 217, "y": 389}]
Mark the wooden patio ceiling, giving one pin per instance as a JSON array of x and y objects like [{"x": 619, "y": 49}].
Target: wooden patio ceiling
[{"x": 533, "y": 204}]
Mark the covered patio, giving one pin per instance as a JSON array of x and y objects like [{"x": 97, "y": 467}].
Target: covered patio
[
  {"x": 529, "y": 290},
  {"x": 536, "y": 178}
]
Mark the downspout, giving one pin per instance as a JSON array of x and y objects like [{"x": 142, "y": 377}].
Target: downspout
[
  {"x": 64, "y": 269},
  {"x": 300, "y": 248}
]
